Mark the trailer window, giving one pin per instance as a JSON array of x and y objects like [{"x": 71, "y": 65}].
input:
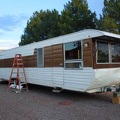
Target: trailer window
[
  {"x": 40, "y": 58},
  {"x": 115, "y": 48},
  {"x": 74, "y": 65},
  {"x": 73, "y": 55},
  {"x": 73, "y": 50},
  {"x": 108, "y": 52},
  {"x": 103, "y": 53}
]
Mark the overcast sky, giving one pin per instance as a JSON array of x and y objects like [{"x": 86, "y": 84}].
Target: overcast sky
[{"x": 15, "y": 13}]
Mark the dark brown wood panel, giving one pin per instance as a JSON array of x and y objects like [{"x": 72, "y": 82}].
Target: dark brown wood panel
[
  {"x": 57, "y": 63},
  {"x": 49, "y": 48},
  {"x": 48, "y": 52},
  {"x": 87, "y": 53},
  {"x": 58, "y": 55},
  {"x": 48, "y": 63},
  {"x": 1, "y": 63},
  {"x": 57, "y": 51},
  {"x": 35, "y": 51},
  {"x": 7, "y": 62},
  {"x": 97, "y": 66},
  {"x": 53, "y": 56},
  {"x": 29, "y": 61},
  {"x": 48, "y": 56},
  {"x": 59, "y": 46},
  {"x": 31, "y": 64},
  {"x": 87, "y": 62}
]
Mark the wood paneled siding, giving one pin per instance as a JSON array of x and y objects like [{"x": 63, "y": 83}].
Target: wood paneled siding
[
  {"x": 53, "y": 56},
  {"x": 48, "y": 56},
  {"x": 87, "y": 53},
  {"x": 6, "y": 62},
  {"x": 29, "y": 61}
]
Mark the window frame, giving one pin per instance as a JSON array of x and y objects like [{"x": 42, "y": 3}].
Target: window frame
[
  {"x": 109, "y": 52},
  {"x": 80, "y": 68},
  {"x": 73, "y": 60}
]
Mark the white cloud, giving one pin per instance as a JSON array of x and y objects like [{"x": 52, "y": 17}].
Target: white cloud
[
  {"x": 10, "y": 34},
  {"x": 10, "y": 39},
  {"x": 8, "y": 44},
  {"x": 9, "y": 22}
]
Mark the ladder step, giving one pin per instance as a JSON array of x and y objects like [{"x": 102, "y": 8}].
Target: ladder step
[
  {"x": 19, "y": 73},
  {"x": 11, "y": 82},
  {"x": 14, "y": 72},
  {"x": 57, "y": 90},
  {"x": 20, "y": 63},
  {"x": 19, "y": 59},
  {"x": 22, "y": 83}
]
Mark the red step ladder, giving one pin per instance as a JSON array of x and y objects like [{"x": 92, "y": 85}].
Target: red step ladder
[{"x": 18, "y": 77}]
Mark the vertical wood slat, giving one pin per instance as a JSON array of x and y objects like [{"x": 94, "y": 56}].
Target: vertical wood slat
[
  {"x": 87, "y": 53},
  {"x": 48, "y": 56},
  {"x": 58, "y": 55}
]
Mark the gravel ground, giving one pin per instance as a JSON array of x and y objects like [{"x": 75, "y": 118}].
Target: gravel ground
[{"x": 39, "y": 103}]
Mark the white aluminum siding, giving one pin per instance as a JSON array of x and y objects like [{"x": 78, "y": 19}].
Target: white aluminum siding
[
  {"x": 78, "y": 80},
  {"x": 105, "y": 77}
]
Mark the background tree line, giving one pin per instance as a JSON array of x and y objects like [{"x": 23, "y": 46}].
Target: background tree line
[{"x": 74, "y": 17}]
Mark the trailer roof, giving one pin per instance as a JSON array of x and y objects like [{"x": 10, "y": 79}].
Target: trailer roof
[{"x": 80, "y": 35}]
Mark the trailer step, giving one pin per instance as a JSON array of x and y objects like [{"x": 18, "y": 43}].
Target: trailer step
[{"x": 57, "y": 90}]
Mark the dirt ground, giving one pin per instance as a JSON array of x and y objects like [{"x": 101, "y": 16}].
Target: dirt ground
[{"x": 40, "y": 103}]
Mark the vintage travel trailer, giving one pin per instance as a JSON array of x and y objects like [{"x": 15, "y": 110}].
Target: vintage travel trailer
[{"x": 86, "y": 61}]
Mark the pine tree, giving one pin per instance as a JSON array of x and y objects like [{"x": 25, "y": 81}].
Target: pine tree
[
  {"x": 42, "y": 25},
  {"x": 110, "y": 18},
  {"x": 76, "y": 16}
]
